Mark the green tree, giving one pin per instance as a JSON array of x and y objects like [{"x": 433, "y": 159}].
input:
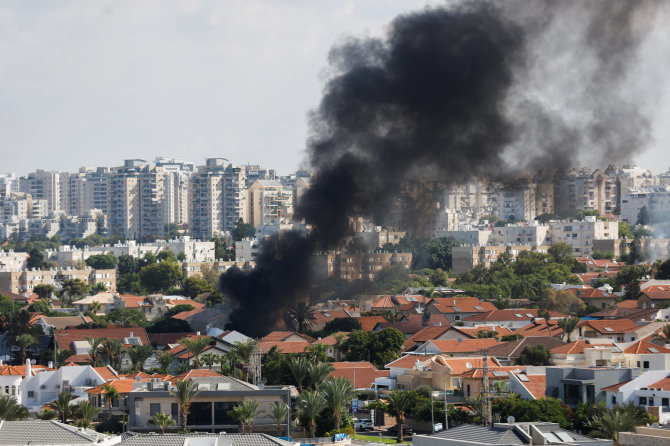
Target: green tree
[
  {"x": 338, "y": 393},
  {"x": 160, "y": 276},
  {"x": 194, "y": 286},
  {"x": 400, "y": 401},
  {"x": 237, "y": 414},
  {"x": 534, "y": 355},
  {"x": 184, "y": 391},
  {"x": 169, "y": 325},
  {"x": 24, "y": 342},
  {"x": 544, "y": 409},
  {"x": 127, "y": 317},
  {"x": 624, "y": 230},
  {"x": 568, "y": 325},
  {"x": 241, "y": 354},
  {"x": 95, "y": 350},
  {"x": 385, "y": 345},
  {"x": 299, "y": 367},
  {"x": 75, "y": 288},
  {"x": 43, "y": 290},
  {"x": 310, "y": 405},
  {"x": 162, "y": 421},
  {"x": 102, "y": 261},
  {"x": 110, "y": 394},
  {"x": 561, "y": 253},
  {"x": 663, "y": 271},
  {"x": 127, "y": 264},
  {"x": 195, "y": 346},
  {"x": 642, "y": 216},
  {"x": 209, "y": 359},
  {"x": 279, "y": 412},
  {"x": 243, "y": 230},
  {"x": 165, "y": 360},
  {"x": 11, "y": 410},
  {"x": 356, "y": 346},
  {"x": 623, "y": 418},
  {"x": 561, "y": 301},
  {"x": 318, "y": 372},
  {"x": 84, "y": 413},
  {"x": 111, "y": 350},
  {"x": 61, "y": 405},
  {"x": 341, "y": 324},
  {"x": 35, "y": 259},
  {"x": 61, "y": 357}
]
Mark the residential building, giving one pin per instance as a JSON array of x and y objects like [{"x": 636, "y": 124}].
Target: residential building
[
  {"x": 269, "y": 203},
  {"x": 516, "y": 318},
  {"x": 362, "y": 374},
  {"x": 25, "y": 280},
  {"x": 530, "y": 383},
  {"x": 456, "y": 347},
  {"x": 247, "y": 249},
  {"x": 43, "y": 185},
  {"x": 209, "y": 410},
  {"x": 650, "y": 391},
  {"x": 517, "y": 202},
  {"x": 458, "y": 308},
  {"x": 52, "y": 433},
  {"x": 76, "y": 340},
  {"x": 655, "y": 199},
  {"x": 585, "y": 384},
  {"x": 11, "y": 377},
  {"x": 586, "y": 189},
  {"x": 465, "y": 258},
  {"x": 358, "y": 266},
  {"x": 580, "y": 235},
  {"x": 508, "y": 353}
]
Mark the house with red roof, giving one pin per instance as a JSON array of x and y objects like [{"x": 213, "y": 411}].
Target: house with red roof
[
  {"x": 649, "y": 391},
  {"x": 368, "y": 323},
  {"x": 410, "y": 324},
  {"x": 75, "y": 340},
  {"x": 362, "y": 375},
  {"x": 598, "y": 265},
  {"x": 588, "y": 353},
  {"x": 594, "y": 296},
  {"x": 458, "y": 308},
  {"x": 541, "y": 328},
  {"x": 331, "y": 343},
  {"x": 617, "y": 330},
  {"x": 440, "y": 372},
  {"x": 530, "y": 383},
  {"x": 456, "y": 347},
  {"x": 322, "y": 317},
  {"x": 654, "y": 296},
  {"x": 11, "y": 377}
]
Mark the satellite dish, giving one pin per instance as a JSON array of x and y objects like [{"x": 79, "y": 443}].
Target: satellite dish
[
  {"x": 33, "y": 362},
  {"x": 510, "y": 419}
]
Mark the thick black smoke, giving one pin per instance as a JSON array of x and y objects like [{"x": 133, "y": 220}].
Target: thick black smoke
[{"x": 450, "y": 94}]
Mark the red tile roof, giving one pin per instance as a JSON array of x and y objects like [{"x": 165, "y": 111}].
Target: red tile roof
[
  {"x": 64, "y": 338},
  {"x": 413, "y": 323},
  {"x": 105, "y": 373},
  {"x": 572, "y": 348},
  {"x": 422, "y": 336},
  {"x": 461, "y": 305},
  {"x": 332, "y": 339},
  {"x": 631, "y": 303},
  {"x": 663, "y": 384},
  {"x": 645, "y": 347},
  {"x": 616, "y": 387},
  {"x": 402, "y": 299},
  {"x": 657, "y": 292},
  {"x": 196, "y": 305},
  {"x": 610, "y": 326},
  {"x": 16, "y": 370},
  {"x": 383, "y": 303},
  {"x": 285, "y": 347},
  {"x": 364, "y": 375},
  {"x": 479, "y": 373},
  {"x": 184, "y": 315},
  {"x": 368, "y": 323},
  {"x": 474, "y": 331},
  {"x": 195, "y": 373},
  {"x": 121, "y": 385},
  {"x": 407, "y": 361},
  {"x": 540, "y": 328},
  {"x": 279, "y": 335},
  {"x": 463, "y": 346},
  {"x": 590, "y": 293},
  {"x": 536, "y": 384}
]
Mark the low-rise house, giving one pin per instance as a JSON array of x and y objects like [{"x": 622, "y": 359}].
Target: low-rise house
[
  {"x": 516, "y": 318},
  {"x": 439, "y": 372},
  {"x": 226, "y": 340},
  {"x": 49, "y": 324},
  {"x": 646, "y": 356},
  {"x": 458, "y": 308},
  {"x": 618, "y": 330},
  {"x": 362, "y": 374},
  {"x": 412, "y": 323},
  {"x": 11, "y": 377},
  {"x": 541, "y": 328},
  {"x": 183, "y": 355},
  {"x": 587, "y": 353},
  {"x": 286, "y": 336},
  {"x": 202, "y": 439},
  {"x": 473, "y": 380},
  {"x": 452, "y": 332},
  {"x": 322, "y": 317},
  {"x": 645, "y": 436},
  {"x": 202, "y": 319},
  {"x": 598, "y": 265},
  {"x": 585, "y": 384},
  {"x": 530, "y": 383},
  {"x": 331, "y": 344},
  {"x": 457, "y": 347},
  {"x": 593, "y": 296},
  {"x": 76, "y": 340},
  {"x": 536, "y": 433},
  {"x": 210, "y": 409},
  {"x": 43, "y": 387},
  {"x": 423, "y": 335},
  {"x": 508, "y": 353},
  {"x": 654, "y": 296},
  {"x": 650, "y": 390},
  {"x": 368, "y": 323}
]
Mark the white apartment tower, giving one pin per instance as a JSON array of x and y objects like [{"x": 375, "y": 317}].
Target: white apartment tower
[
  {"x": 269, "y": 203},
  {"x": 43, "y": 185}
]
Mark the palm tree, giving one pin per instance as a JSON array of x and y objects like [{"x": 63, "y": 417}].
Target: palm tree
[
  {"x": 61, "y": 357},
  {"x": 338, "y": 392},
  {"x": 303, "y": 314},
  {"x": 61, "y": 405},
  {"x": 94, "y": 308},
  {"x": 195, "y": 346},
  {"x": 249, "y": 409},
  {"x": 622, "y": 418},
  {"x": 112, "y": 349},
  {"x": 185, "y": 392},
  {"x": 279, "y": 412},
  {"x": 165, "y": 359},
  {"x": 568, "y": 325},
  {"x": 84, "y": 413},
  {"x": 209, "y": 359},
  {"x": 339, "y": 345},
  {"x": 139, "y": 354},
  {"x": 317, "y": 352},
  {"x": 162, "y": 421},
  {"x": 241, "y": 353},
  {"x": 95, "y": 351},
  {"x": 237, "y": 413},
  {"x": 318, "y": 371},
  {"x": 544, "y": 314},
  {"x": 400, "y": 401},
  {"x": 310, "y": 405},
  {"x": 25, "y": 341},
  {"x": 300, "y": 369},
  {"x": 11, "y": 410},
  {"x": 110, "y": 394}
]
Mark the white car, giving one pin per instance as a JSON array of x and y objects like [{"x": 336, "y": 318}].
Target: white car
[{"x": 364, "y": 425}]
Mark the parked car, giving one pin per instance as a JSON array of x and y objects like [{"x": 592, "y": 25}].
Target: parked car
[
  {"x": 364, "y": 425},
  {"x": 393, "y": 430}
]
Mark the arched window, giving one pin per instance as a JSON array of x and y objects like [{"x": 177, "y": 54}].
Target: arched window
[
  {"x": 6, "y": 390},
  {"x": 13, "y": 390}
]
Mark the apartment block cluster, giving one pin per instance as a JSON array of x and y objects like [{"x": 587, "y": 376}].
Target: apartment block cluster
[
  {"x": 137, "y": 199},
  {"x": 613, "y": 190}
]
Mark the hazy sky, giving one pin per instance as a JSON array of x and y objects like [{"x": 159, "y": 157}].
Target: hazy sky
[{"x": 92, "y": 83}]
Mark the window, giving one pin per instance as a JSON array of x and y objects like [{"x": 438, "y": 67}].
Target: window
[
  {"x": 175, "y": 411},
  {"x": 643, "y": 401},
  {"x": 154, "y": 408},
  {"x": 665, "y": 401},
  {"x": 613, "y": 400},
  {"x": 31, "y": 394},
  {"x": 638, "y": 364},
  {"x": 645, "y": 364}
]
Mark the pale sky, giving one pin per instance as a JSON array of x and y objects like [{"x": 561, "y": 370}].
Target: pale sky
[{"x": 90, "y": 83}]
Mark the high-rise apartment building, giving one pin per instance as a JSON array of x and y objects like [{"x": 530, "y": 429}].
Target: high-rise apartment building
[
  {"x": 269, "y": 203},
  {"x": 43, "y": 185}
]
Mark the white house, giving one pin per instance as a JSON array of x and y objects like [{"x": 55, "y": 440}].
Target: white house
[
  {"x": 45, "y": 386},
  {"x": 649, "y": 390},
  {"x": 11, "y": 377}
]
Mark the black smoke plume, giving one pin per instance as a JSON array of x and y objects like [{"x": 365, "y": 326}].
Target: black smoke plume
[{"x": 450, "y": 94}]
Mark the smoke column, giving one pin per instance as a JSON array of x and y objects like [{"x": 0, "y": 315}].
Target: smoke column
[{"x": 451, "y": 94}]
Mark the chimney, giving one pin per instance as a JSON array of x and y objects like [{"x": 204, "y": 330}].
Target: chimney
[
  {"x": 131, "y": 335},
  {"x": 28, "y": 368}
]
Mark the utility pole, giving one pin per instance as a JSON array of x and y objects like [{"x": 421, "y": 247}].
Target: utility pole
[
  {"x": 486, "y": 412},
  {"x": 446, "y": 408}
]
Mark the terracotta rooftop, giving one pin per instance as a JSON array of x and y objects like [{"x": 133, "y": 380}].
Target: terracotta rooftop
[
  {"x": 422, "y": 336},
  {"x": 368, "y": 323},
  {"x": 539, "y": 327},
  {"x": 64, "y": 338},
  {"x": 645, "y": 347},
  {"x": 657, "y": 292},
  {"x": 610, "y": 326},
  {"x": 519, "y": 314},
  {"x": 495, "y": 372},
  {"x": 383, "y": 303},
  {"x": 121, "y": 385},
  {"x": 616, "y": 387},
  {"x": 463, "y": 346},
  {"x": 280, "y": 335},
  {"x": 331, "y": 339},
  {"x": 663, "y": 384},
  {"x": 590, "y": 293},
  {"x": 461, "y": 305},
  {"x": 285, "y": 347},
  {"x": 106, "y": 373},
  {"x": 184, "y": 315},
  {"x": 16, "y": 370},
  {"x": 513, "y": 349},
  {"x": 195, "y": 373},
  {"x": 413, "y": 323},
  {"x": 364, "y": 376},
  {"x": 536, "y": 384},
  {"x": 631, "y": 303},
  {"x": 474, "y": 331}
]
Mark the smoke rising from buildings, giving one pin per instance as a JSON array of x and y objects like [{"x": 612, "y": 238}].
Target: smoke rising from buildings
[{"x": 453, "y": 93}]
